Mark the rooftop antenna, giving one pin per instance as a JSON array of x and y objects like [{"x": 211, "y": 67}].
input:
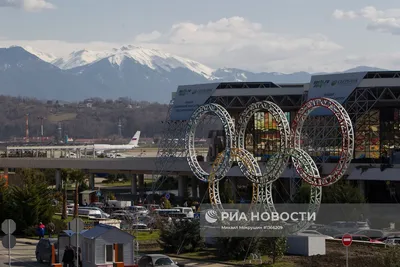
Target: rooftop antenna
[
  {"x": 27, "y": 127},
  {"x": 119, "y": 128}
]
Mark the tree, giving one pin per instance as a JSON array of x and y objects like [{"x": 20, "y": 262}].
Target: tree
[
  {"x": 64, "y": 178},
  {"x": 31, "y": 202},
  {"x": 275, "y": 247},
  {"x": 50, "y": 175},
  {"x": 340, "y": 192},
  {"x": 3, "y": 197},
  {"x": 78, "y": 177},
  {"x": 235, "y": 248},
  {"x": 179, "y": 236}
]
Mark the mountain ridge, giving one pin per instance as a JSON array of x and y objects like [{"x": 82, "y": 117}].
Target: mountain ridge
[{"x": 129, "y": 71}]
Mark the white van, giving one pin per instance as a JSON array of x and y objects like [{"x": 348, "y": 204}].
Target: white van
[
  {"x": 92, "y": 214},
  {"x": 105, "y": 215},
  {"x": 186, "y": 210},
  {"x": 140, "y": 210}
]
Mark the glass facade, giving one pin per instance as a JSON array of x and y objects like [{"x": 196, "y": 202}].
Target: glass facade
[
  {"x": 367, "y": 143},
  {"x": 377, "y": 134},
  {"x": 265, "y": 136},
  {"x": 390, "y": 130}
]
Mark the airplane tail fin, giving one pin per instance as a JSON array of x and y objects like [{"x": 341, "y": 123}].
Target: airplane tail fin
[{"x": 135, "y": 139}]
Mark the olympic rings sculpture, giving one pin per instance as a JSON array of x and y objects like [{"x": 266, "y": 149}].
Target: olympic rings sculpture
[{"x": 289, "y": 147}]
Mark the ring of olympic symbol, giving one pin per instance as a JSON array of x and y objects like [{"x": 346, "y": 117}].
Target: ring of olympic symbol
[{"x": 289, "y": 147}]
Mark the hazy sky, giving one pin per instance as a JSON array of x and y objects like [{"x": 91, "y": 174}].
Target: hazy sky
[{"x": 258, "y": 35}]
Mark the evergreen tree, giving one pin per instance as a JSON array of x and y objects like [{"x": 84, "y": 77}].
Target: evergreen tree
[
  {"x": 31, "y": 202},
  {"x": 180, "y": 236}
]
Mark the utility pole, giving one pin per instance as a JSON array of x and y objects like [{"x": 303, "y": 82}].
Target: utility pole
[
  {"x": 27, "y": 127},
  {"x": 41, "y": 118},
  {"x": 119, "y": 128},
  {"x": 59, "y": 132}
]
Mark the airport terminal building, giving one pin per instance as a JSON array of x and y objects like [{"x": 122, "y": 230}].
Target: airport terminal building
[{"x": 372, "y": 100}]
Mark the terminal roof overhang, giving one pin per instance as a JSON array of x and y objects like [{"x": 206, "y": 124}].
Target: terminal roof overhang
[
  {"x": 371, "y": 79},
  {"x": 259, "y": 89},
  {"x": 290, "y": 96}
]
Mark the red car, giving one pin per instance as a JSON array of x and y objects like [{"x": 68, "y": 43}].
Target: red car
[{"x": 361, "y": 238}]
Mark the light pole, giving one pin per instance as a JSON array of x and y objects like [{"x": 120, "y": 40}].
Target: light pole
[{"x": 41, "y": 118}]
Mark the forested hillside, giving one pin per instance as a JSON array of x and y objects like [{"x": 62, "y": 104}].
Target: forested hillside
[{"x": 95, "y": 118}]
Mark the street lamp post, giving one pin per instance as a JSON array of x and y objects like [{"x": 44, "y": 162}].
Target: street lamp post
[{"x": 41, "y": 118}]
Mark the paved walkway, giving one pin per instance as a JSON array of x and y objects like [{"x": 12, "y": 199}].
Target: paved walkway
[
  {"x": 21, "y": 255},
  {"x": 31, "y": 243}
]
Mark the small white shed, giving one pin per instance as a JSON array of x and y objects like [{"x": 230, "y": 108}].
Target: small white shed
[{"x": 105, "y": 244}]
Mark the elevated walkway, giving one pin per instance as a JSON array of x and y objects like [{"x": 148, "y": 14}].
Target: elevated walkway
[{"x": 179, "y": 166}]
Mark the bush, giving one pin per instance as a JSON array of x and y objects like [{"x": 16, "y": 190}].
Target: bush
[
  {"x": 180, "y": 236},
  {"x": 391, "y": 258},
  {"x": 30, "y": 231},
  {"x": 274, "y": 247},
  {"x": 239, "y": 248},
  {"x": 236, "y": 248},
  {"x": 60, "y": 225}
]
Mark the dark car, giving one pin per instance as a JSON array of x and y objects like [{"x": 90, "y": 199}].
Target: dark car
[
  {"x": 150, "y": 260},
  {"x": 43, "y": 249}
]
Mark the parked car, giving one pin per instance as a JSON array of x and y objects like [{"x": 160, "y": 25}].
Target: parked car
[
  {"x": 43, "y": 249},
  {"x": 314, "y": 233},
  {"x": 390, "y": 236},
  {"x": 372, "y": 233},
  {"x": 392, "y": 241},
  {"x": 152, "y": 207},
  {"x": 123, "y": 215},
  {"x": 361, "y": 238},
  {"x": 94, "y": 214},
  {"x": 329, "y": 231},
  {"x": 157, "y": 260},
  {"x": 103, "y": 214},
  {"x": 349, "y": 226},
  {"x": 97, "y": 204},
  {"x": 140, "y": 210},
  {"x": 186, "y": 210}
]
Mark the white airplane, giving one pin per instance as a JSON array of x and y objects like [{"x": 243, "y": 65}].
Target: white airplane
[{"x": 101, "y": 148}]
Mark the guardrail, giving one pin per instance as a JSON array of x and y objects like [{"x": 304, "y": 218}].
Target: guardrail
[{"x": 358, "y": 242}]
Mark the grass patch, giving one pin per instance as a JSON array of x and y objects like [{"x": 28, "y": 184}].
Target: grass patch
[
  {"x": 70, "y": 218},
  {"x": 206, "y": 254},
  {"x": 147, "y": 236},
  {"x": 148, "y": 183},
  {"x": 116, "y": 184},
  {"x": 211, "y": 255},
  {"x": 62, "y": 117}
]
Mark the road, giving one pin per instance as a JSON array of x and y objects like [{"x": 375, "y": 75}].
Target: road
[
  {"x": 21, "y": 255},
  {"x": 24, "y": 255}
]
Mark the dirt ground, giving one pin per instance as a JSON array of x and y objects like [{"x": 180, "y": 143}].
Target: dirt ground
[{"x": 360, "y": 255}]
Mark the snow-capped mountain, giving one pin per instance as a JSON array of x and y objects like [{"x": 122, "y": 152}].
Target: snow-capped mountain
[
  {"x": 25, "y": 74},
  {"x": 151, "y": 58},
  {"x": 136, "y": 72},
  {"x": 42, "y": 55},
  {"x": 79, "y": 58}
]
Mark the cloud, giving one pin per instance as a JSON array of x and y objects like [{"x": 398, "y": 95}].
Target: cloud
[
  {"x": 27, "y": 5},
  {"x": 229, "y": 42},
  {"x": 387, "y": 21},
  {"x": 148, "y": 37},
  {"x": 237, "y": 42}
]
